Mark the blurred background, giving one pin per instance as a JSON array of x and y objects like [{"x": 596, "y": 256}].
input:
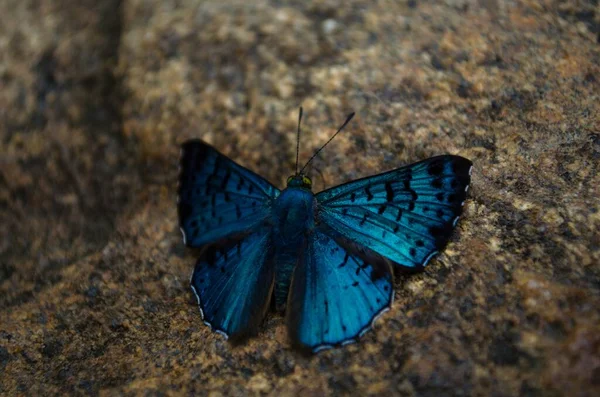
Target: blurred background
[{"x": 96, "y": 96}]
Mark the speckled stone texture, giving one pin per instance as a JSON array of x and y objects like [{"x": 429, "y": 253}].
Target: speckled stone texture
[{"x": 96, "y": 96}]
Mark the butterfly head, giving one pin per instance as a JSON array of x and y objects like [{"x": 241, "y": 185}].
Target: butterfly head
[{"x": 299, "y": 180}]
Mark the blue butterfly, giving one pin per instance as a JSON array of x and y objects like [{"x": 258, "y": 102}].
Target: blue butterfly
[{"x": 326, "y": 259}]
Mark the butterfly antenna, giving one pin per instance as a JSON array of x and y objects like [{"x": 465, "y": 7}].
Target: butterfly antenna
[
  {"x": 330, "y": 139},
  {"x": 298, "y": 139}
]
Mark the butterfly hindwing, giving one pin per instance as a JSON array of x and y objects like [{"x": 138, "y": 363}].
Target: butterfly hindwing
[
  {"x": 336, "y": 293},
  {"x": 406, "y": 215},
  {"x": 234, "y": 282},
  {"x": 217, "y": 197}
]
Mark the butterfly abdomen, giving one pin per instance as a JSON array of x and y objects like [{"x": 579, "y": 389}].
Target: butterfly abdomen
[{"x": 293, "y": 214}]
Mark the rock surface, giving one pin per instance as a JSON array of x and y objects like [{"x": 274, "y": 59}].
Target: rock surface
[{"x": 96, "y": 96}]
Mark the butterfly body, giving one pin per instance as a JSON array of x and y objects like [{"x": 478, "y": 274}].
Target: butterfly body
[
  {"x": 294, "y": 220},
  {"x": 326, "y": 259}
]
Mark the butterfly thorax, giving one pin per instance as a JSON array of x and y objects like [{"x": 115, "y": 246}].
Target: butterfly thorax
[{"x": 294, "y": 220}]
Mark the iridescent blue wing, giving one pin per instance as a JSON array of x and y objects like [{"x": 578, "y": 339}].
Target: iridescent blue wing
[
  {"x": 337, "y": 292},
  {"x": 405, "y": 215},
  {"x": 233, "y": 284},
  {"x": 217, "y": 197}
]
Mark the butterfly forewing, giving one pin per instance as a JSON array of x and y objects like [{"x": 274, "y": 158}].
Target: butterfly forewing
[
  {"x": 406, "y": 215},
  {"x": 217, "y": 197}
]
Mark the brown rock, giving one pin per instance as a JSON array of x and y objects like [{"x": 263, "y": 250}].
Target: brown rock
[{"x": 96, "y": 97}]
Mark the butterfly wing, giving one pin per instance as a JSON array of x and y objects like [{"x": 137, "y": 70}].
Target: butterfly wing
[
  {"x": 233, "y": 284},
  {"x": 405, "y": 215},
  {"x": 336, "y": 292},
  {"x": 217, "y": 197},
  {"x": 222, "y": 206}
]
